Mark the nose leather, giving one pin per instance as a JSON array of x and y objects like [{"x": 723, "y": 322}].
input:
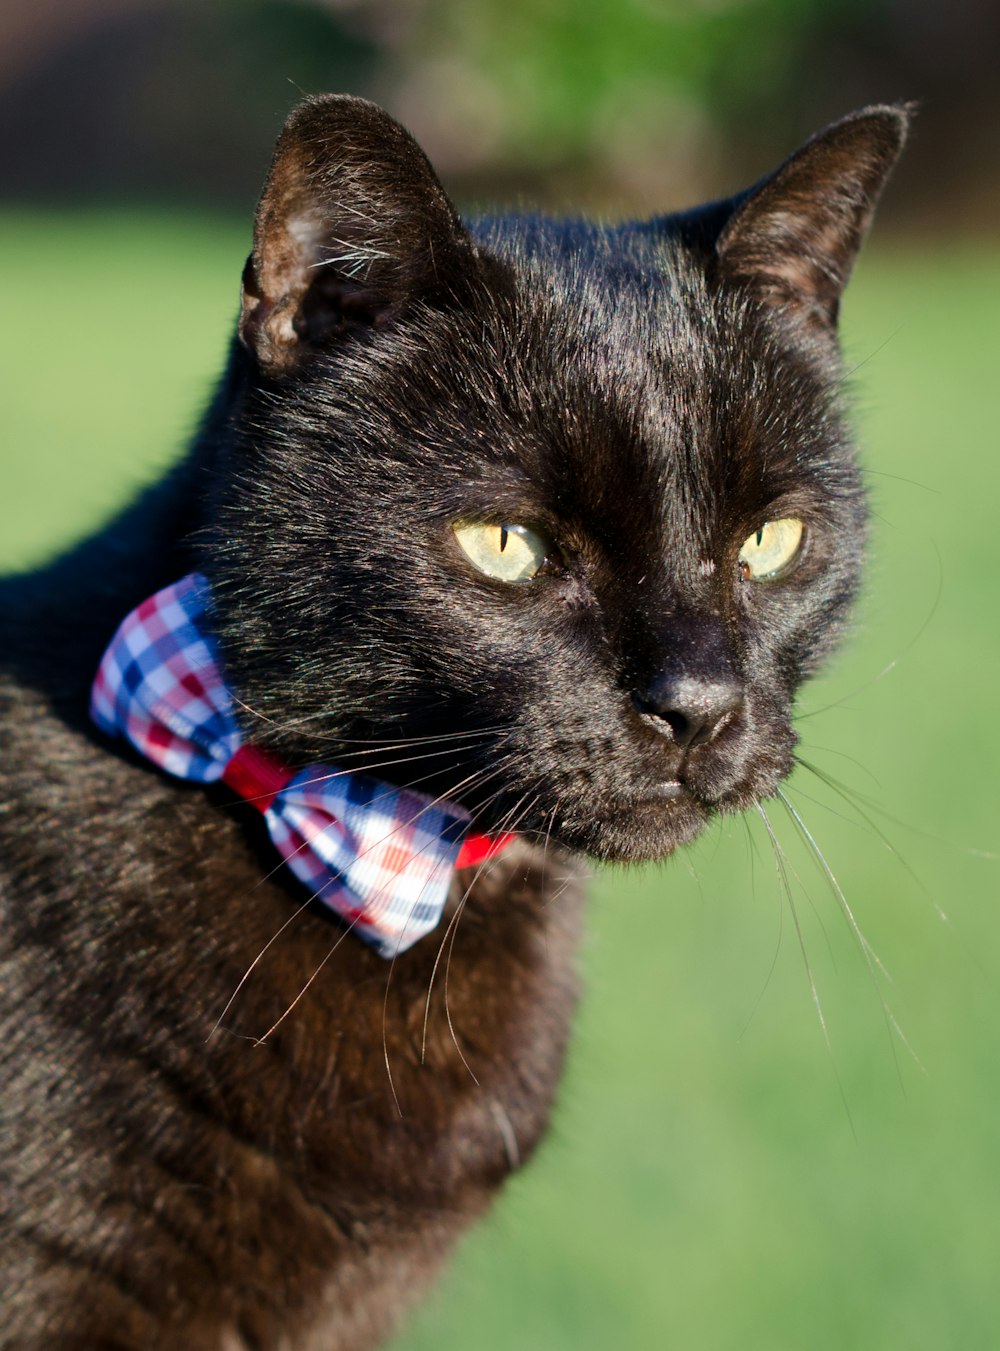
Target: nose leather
[{"x": 689, "y": 709}]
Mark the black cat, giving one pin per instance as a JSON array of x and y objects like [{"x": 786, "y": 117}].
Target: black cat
[{"x": 539, "y": 521}]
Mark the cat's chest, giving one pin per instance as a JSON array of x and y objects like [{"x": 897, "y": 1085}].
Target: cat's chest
[
  {"x": 433, "y": 1071},
  {"x": 275, "y": 1100}
]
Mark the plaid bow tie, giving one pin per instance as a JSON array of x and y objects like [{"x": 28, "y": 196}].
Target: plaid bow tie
[{"x": 381, "y": 857}]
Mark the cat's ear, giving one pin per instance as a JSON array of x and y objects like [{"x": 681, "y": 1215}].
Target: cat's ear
[
  {"x": 794, "y": 237},
  {"x": 352, "y": 224}
]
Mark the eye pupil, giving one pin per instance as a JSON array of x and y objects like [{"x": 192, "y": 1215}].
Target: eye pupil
[
  {"x": 503, "y": 538},
  {"x": 760, "y": 537}
]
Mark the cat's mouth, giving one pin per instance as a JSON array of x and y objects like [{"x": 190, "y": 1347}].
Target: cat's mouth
[
  {"x": 648, "y": 821},
  {"x": 646, "y": 827}
]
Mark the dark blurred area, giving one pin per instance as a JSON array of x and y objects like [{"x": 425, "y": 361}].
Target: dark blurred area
[{"x": 628, "y": 106}]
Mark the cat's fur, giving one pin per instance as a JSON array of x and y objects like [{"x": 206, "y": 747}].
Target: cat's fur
[{"x": 647, "y": 395}]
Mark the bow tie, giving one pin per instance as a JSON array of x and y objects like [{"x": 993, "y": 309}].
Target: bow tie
[{"x": 381, "y": 857}]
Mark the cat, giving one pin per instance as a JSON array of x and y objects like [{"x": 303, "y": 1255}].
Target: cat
[{"x": 534, "y": 524}]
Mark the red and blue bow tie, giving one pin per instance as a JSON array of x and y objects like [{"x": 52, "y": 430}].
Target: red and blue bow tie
[{"x": 381, "y": 857}]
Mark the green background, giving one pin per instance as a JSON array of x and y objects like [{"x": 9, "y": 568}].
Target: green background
[{"x": 718, "y": 1177}]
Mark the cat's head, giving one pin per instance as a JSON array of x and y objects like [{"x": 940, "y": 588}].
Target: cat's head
[{"x": 581, "y": 501}]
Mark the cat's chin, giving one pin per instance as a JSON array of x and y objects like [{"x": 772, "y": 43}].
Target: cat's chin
[{"x": 647, "y": 830}]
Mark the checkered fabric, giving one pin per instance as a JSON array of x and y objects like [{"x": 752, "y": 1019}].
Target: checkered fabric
[{"x": 381, "y": 857}]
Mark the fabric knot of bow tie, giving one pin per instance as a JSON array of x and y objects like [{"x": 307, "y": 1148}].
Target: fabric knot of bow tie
[{"x": 381, "y": 857}]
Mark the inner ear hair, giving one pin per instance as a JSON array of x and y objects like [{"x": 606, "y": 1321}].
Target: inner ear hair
[
  {"x": 352, "y": 224},
  {"x": 793, "y": 238}
]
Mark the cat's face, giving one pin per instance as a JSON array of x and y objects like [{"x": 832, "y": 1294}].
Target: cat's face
[{"x": 579, "y": 501}]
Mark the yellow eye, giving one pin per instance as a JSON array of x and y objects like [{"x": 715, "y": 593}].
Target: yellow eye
[
  {"x": 768, "y": 551},
  {"x": 510, "y": 553}
]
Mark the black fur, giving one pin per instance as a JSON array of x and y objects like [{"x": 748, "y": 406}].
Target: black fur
[{"x": 646, "y": 396}]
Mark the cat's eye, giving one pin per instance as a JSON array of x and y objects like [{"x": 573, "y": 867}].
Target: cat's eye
[
  {"x": 509, "y": 553},
  {"x": 770, "y": 550}
]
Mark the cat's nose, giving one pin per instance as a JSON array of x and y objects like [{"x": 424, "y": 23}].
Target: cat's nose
[{"x": 689, "y": 709}]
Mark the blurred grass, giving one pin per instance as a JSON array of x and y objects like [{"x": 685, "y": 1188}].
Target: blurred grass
[{"x": 717, "y": 1178}]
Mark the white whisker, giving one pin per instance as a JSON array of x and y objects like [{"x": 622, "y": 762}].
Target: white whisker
[
  {"x": 780, "y": 864},
  {"x": 872, "y": 959}
]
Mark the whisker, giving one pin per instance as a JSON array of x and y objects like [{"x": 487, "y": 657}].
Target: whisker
[
  {"x": 293, "y": 723},
  {"x": 817, "y": 913},
  {"x": 483, "y": 777},
  {"x": 504, "y": 826},
  {"x": 753, "y": 853},
  {"x": 259, "y": 1041},
  {"x": 779, "y": 858},
  {"x": 437, "y": 956},
  {"x": 853, "y": 796},
  {"x": 368, "y": 769},
  {"x": 513, "y": 822},
  {"x": 872, "y": 959},
  {"x": 851, "y": 759},
  {"x": 870, "y": 954},
  {"x": 256, "y": 961},
  {"x": 545, "y": 853},
  {"x": 849, "y": 797}
]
